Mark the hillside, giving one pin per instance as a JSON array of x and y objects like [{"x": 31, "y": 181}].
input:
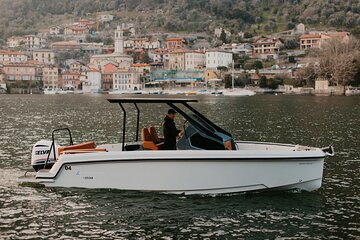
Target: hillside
[{"x": 253, "y": 16}]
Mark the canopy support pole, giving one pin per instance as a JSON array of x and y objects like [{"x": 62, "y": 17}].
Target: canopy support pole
[
  {"x": 124, "y": 127},
  {"x": 137, "y": 122}
]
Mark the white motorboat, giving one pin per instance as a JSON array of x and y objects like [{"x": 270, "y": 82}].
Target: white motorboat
[
  {"x": 207, "y": 160},
  {"x": 352, "y": 91},
  {"x": 238, "y": 92},
  {"x": 50, "y": 91}
]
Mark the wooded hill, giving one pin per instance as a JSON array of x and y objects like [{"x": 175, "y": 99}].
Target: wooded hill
[{"x": 254, "y": 16}]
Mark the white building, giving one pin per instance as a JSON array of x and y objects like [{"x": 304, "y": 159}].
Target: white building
[
  {"x": 159, "y": 55},
  {"x": 119, "y": 41},
  {"x": 34, "y": 42},
  {"x": 124, "y": 80},
  {"x": 14, "y": 42},
  {"x": 91, "y": 81},
  {"x": 218, "y": 58},
  {"x": 194, "y": 60},
  {"x": 244, "y": 49},
  {"x": 2, "y": 80},
  {"x": 50, "y": 77},
  {"x": 118, "y": 56},
  {"x": 106, "y": 17},
  {"x": 56, "y": 30},
  {"x": 12, "y": 57},
  {"x": 45, "y": 56}
]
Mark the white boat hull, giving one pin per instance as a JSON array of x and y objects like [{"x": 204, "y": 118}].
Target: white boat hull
[
  {"x": 188, "y": 172},
  {"x": 239, "y": 92}
]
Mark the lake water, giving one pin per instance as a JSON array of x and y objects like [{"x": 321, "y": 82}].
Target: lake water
[{"x": 332, "y": 212}]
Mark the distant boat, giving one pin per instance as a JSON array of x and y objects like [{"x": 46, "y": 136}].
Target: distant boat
[
  {"x": 50, "y": 91},
  {"x": 352, "y": 91},
  {"x": 239, "y": 92}
]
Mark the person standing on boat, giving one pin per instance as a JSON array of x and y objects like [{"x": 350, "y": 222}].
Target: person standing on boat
[{"x": 170, "y": 131}]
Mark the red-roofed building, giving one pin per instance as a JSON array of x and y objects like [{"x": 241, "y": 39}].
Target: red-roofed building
[
  {"x": 22, "y": 72},
  {"x": 174, "y": 43},
  {"x": 267, "y": 48},
  {"x": 50, "y": 77},
  {"x": 70, "y": 80},
  {"x": 107, "y": 76},
  {"x": 318, "y": 40},
  {"x": 142, "y": 68},
  {"x": 12, "y": 57}
]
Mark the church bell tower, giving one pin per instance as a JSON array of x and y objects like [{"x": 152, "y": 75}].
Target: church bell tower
[{"x": 119, "y": 40}]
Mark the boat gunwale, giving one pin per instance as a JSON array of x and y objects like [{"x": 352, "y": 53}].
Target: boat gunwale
[{"x": 313, "y": 158}]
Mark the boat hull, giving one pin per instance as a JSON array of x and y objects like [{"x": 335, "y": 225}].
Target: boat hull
[{"x": 188, "y": 176}]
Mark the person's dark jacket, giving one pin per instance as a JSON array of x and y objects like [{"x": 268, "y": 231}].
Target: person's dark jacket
[{"x": 170, "y": 134}]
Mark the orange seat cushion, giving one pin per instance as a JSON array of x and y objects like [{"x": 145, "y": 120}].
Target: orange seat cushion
[
  {"x": 147, "y": 140},
  {"x": 85, "y": 145},
  {"x": 74, "y": 151}
]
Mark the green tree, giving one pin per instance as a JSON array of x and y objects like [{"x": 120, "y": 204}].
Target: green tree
[
  {"x": 258, "y": 64},
  {"x": 291, "y": 44},
  {"x": 228, "y": 81},
  {"x": 263, "y": 82},
  {"x": 147, "y": 58},
  {"x": 223, "y": 36}
]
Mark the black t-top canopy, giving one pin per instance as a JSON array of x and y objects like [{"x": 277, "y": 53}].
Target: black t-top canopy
[
  {"x": 208, "y": 128},
  {"x": 150, "y": 100}
]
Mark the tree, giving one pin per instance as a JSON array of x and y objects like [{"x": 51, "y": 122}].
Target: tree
[
  {"x": 223, "y": 36},
  {"x": 263, "y": 82},
  {"x": 292, "y": 59},
  {"x": 291, "y": 44},
  {"x": 258, "y": 65},
  {"x": 146, "y": 58},
  {"x": 306, "y": 76},
  {"x": 338, "y": 61}
]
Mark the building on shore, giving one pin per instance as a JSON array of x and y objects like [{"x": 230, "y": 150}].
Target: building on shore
[
  {"x": 267, "y": 48},
  {"x": 34, "y": 42},
  {"x": 15, "y": 41},
  {"x": 177, "y": 78},
  {"x": 22, "y": 72},
  {"x": 12, "y": 57},
  {"x": 218, "y": 58},
  {"x": 186, "y": 60},
  {"x": 118, "y": 56},
  {"x": 45, "y": 56},
  {"x": 50, "y": 77},
  {"x": 160, "y": 56},
  {"x": 70, "y": 80},
  {"x": 242, "y": 49},
  {"x": 318, "y": 40},
  {"x": 175, "y": 43},
  {"x": 2, "y": 80},
  {"x": 91, "y": 81},
  {"x": 107, "y": 76},
  {"x": 126, "y": 80},
  {"x": 65, "y": 46}
]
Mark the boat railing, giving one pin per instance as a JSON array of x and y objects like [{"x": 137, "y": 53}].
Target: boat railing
[{"x": 52, "y": 148}]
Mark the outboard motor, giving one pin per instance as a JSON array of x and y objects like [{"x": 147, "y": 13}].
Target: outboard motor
[{"x": 40, "y": 153}]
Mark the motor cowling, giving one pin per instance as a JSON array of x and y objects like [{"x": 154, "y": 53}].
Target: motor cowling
[{"x": 40, "y": 153}]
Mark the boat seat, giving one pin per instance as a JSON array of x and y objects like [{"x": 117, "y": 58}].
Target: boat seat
[
  {"x": 148, "y": 140},
  {"x": 81, "y": 146},
  {"x": 155, "y": 136}
]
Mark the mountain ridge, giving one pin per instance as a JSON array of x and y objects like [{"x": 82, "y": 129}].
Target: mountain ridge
[{"x": 254, "y": 16}]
